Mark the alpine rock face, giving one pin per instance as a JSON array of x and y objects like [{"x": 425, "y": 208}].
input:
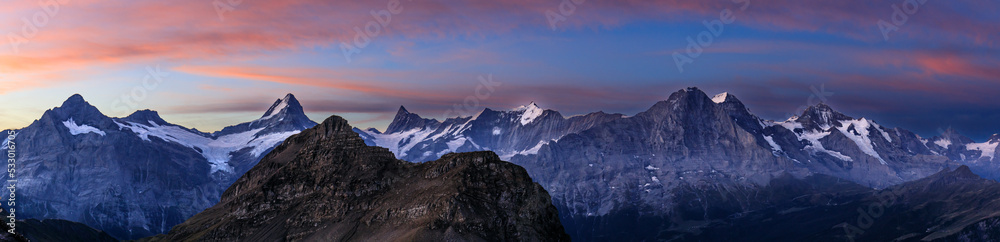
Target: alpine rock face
[
  {"x": 139, "y": 175},
  {"x": 511, "y": 132},
  {"x": 325, "y": 184},
  {"x": 663, "y": 170}
]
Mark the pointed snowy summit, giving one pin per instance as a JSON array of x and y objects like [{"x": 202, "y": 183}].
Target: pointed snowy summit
[
  {"x": 402, "y": 111},
  {"x": 287, "y": 105},
  {"x": 529, "y": 113},
  {"x": 405, "y": 120}
]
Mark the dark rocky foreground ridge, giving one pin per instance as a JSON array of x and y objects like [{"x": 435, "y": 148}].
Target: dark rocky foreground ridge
[
  {"x": 325, "y": 184},
  {"x": 952, "y": 205}
]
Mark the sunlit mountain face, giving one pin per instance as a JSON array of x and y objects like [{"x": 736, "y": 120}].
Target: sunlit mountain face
[{"x": 599, "y": 120}]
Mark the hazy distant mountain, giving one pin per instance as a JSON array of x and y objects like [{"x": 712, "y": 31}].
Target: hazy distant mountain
[
  {"x": 981, "y": 157},
  {"x": 139, "y": 175},
  {"x": 325, "y": 184}
]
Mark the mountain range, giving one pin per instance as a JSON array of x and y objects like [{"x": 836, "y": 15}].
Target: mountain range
[
  {"x": 139, "y": 175},
  {"x": 688, "y": 168},
  {"x": 661, "y": 165}
]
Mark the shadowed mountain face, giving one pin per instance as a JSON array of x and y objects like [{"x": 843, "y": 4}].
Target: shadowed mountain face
[
  {"x": 139, "y": 175},
  {"x": 325, "y": 184},
  {"x": 953, "y": 205},
  {"x": 56, "y": 230}
]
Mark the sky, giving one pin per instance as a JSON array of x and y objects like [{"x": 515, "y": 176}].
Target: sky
[{"x": 924, "y": 66}]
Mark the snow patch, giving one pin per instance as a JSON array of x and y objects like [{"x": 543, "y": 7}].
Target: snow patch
[
  {"x": 400, "y": 143},
  {"x": 530, "y": 113},
  {"x": 277, "y": 108},
  {"x": 530, "y": 151},
  {"x": 791, "y": 124},
  {"x": 862, "y": 139},
  {"x": 456, "y": 143},
  {"x": 774, "y": 146},
  {"x": 943, "y": 142},
  {"x": 815, "y": 146},
  {"x": 884, "y": 134},
  {"x": 496, "y": 130},
  {"x": 988, "y": 149},
  {"x": 656, "y": 179},
  {"x": 720, "y": 98},
  {"x": 218, "y": 150},
  {"x": 76, "y": 129},
  {"x": 651, "y": 168}
]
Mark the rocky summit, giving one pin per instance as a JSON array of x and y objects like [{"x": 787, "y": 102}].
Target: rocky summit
[{"x": 326, "y": 184}]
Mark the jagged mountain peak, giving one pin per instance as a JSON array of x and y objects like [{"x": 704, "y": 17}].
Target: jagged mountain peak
[
  {"x": 334, "y": 125},
  {"x": 144, "y": 116},
  {"x": 691, "y": 94},
  {"x": 286, "y": 114},
  {"x": 76, "y": 102},
  {"x": 690, "y": 98},
  {"x": 964, "y": 171},
  {"x": 77, "y": 108},
  {"x": 821, "y": 116},
  {"x": 402, "y": 111},
  {"x": 949, "y": 132},
  {"x": 950, "y": 136},
  {"x": 405, "y": 120},
  {"x": 289, "y": 103},
  {"x": 74, "y": 99},
  {"x": 820, "y": 108},
  {"x": 529, "y": 113},
  {"x": 994, "y": 139},
  {"x": 531, "y": 105}
]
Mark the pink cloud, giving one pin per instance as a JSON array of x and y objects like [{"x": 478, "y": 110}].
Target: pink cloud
[{"x": 88, "y": 34}]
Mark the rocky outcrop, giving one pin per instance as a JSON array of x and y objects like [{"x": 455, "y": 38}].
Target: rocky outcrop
[{"x": 325, "y": 184}]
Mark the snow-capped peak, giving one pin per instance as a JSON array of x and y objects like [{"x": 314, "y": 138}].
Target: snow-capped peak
[
  {"x": 279, "y": 105},
  {"x": 720, "y": 98},
  {"x": 531, "y": 105},
  {"x": 530, "y": 113}
]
